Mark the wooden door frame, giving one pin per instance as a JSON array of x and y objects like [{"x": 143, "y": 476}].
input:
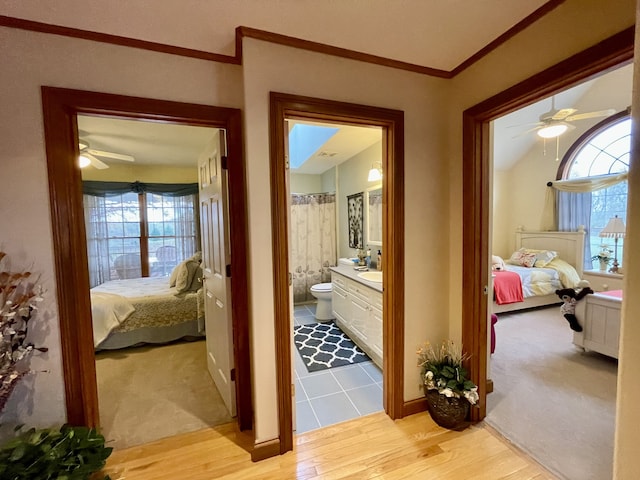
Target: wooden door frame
[
  {"x": 604, "y": 56},
  {"x": 60, "y": 109},
  {"x": 283, "y": 106}
]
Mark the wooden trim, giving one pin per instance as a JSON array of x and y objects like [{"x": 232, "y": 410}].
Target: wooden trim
[
  {"x": 283, "y": 106},
  {"x": 512, "y": 32},
  {"x": 602, "y": 57},
  {"x": 242, "y": 32},
  {"x": 22, "y": 24},
  {"x": 489, "y": 387},
  {"x": 68, "y": 234},
  {"x": 308, "y": 45},
  {"x": 61, "y": 107},
  {"x": 264, "y": 450},
  {"x": 414, "y": 406},
  {"x": 239, "y": 238}
]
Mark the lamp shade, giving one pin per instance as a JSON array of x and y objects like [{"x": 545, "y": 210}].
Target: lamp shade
[{"x": 614, "y": 229}]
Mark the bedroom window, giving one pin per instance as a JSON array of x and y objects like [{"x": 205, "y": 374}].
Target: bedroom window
[
  {"x": 138, "y": 230},
  {"x": 602, "y": 153}
]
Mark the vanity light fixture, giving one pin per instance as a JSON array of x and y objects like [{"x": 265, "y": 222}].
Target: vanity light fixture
[{"x": 375, "y": 174}]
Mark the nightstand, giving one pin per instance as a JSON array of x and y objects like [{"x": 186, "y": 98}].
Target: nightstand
[{"x": 602, "y": 281}]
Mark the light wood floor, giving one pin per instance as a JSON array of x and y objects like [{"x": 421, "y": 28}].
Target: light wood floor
[{"x": 369, "y": 447}]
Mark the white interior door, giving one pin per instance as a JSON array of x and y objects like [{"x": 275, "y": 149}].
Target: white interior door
[{"x": 216, "y": 256}]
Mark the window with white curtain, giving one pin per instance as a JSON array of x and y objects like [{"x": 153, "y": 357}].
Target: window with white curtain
[
  {"x": 138, "y": 230},
  {"x": 604, "y": 150}
]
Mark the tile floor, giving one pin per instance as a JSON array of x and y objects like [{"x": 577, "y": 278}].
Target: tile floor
[{"x": 336, "y": 394}]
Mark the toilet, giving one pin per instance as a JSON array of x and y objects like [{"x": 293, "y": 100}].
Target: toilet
[{"x": 322, "y": 291}]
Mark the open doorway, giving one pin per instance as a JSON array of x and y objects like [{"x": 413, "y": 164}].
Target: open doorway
[
  {"x": 391, "y": 122},
  {"x": 147, "y": 282},
  {"x": 529, "y": 341},
  {"x": 337, "y": 315},
  {"x": 609, "y": 54},
  {"x": 61, "y": 108}
]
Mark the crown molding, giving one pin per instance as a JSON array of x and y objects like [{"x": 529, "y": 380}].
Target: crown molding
[{"x": 248, "y": 32}]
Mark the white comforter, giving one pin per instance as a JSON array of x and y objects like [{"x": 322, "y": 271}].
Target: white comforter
[
  {"x": 108, "y": 311},
  {"x": 537, "y": 281}
]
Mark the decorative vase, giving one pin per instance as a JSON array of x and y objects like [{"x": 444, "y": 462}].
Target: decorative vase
[
  {"x": 603, "y": 265},
  {"x": 448, "y": 412}
]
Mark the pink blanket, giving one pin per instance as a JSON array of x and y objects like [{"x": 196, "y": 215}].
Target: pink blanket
[
  {"x": 612, "y": 293},
  {"x": 507, "y": 287}
]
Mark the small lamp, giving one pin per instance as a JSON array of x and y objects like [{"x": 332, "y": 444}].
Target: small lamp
[
  {"x": 615, "y": 229},
  {"x": 375, "y": 174}
]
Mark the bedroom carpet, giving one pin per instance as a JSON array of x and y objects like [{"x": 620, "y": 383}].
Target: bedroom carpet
[
  {"x": 550, "y": 399},
  {"x": 323, "y": 345},
  {"x": 148, "y": 393}
]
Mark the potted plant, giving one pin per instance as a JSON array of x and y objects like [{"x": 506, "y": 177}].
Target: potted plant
[
  {"x": 19, "y": 296},
  {"x": 72, "y": 453},
  {"x": 603, "y": 257},
  {"x": 448, "y": 392}
]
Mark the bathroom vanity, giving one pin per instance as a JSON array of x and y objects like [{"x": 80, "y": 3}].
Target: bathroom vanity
[{"x": 357, "y": 307}]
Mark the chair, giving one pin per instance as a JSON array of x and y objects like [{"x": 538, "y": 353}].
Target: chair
[
  {"x": 128, "y": 266},
  {"x": 166, "y": 257}
]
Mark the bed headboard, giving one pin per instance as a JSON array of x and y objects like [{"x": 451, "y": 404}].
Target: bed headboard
[{"x": 569, "y": 245}]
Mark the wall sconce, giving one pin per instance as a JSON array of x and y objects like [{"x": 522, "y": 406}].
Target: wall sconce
[{"x": 375, "y": 174}]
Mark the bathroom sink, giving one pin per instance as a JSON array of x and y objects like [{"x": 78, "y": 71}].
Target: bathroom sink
[{"x": 371, "y": 276}]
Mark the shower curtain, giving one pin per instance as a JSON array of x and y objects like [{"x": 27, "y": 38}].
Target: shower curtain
[{"x": 313, "y": 241}]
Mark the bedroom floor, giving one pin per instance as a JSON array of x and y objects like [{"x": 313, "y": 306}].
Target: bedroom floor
[
  {"x": 550, "y": 399},
  {"x": 334, "y": 395},
  {"x": 147, "y": 393}
]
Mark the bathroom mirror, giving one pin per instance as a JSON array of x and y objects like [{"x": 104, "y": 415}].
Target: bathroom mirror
[{"x": 374, "y": 215}]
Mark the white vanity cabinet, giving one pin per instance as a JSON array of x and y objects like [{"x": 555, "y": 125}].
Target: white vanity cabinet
[{"x": 358, "y": 312}]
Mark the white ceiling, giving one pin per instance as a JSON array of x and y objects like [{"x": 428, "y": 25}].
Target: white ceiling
[
  {"x": 347, "y": 142},
  {"x": 612, "y": 90},
  {"x": 432, "y": 33},
  {"x": 162, "y": 144},
  {"x": 150, "y": 143}
]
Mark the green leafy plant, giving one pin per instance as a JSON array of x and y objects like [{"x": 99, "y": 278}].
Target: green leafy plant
[
  {"x": 603, "y": 256},
  {"x": 65, "y": 453},
  {"x": 442, "y": 370}
]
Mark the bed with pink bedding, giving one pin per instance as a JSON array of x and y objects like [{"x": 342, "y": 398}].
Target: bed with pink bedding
[{"x": 543, "y": 262}]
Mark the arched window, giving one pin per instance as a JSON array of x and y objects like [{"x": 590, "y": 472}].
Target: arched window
[{"x": 603, "y": 150}]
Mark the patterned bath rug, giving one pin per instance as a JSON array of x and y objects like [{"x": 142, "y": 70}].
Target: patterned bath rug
[{"x": 324, "y": 345}]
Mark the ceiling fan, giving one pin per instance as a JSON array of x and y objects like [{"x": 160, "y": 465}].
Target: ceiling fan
[
  {"x": 555, "y": 122},
  {"x": 89, "y": 156}
]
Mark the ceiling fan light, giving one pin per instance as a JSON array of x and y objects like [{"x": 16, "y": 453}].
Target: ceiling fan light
[
  {"x": 84, "y": 161},
  {"x": 553, "y": 131},
  {"x": 375, "y": 174}
]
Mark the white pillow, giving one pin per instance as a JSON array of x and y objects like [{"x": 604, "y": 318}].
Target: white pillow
[
  {"x": 543, "y": 257},
  {"x": 179, "y": 271},
  {"x": 522, "y": 258}
]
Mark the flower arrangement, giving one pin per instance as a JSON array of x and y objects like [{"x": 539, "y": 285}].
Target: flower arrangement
[
  {"x": 442, "y": 370},
  {"x": 18, "y": 298},
  {"x": 604, "y": 255}
]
